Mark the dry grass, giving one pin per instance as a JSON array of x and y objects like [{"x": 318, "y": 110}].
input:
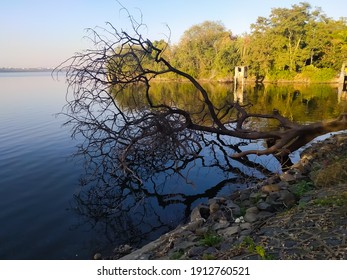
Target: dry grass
[{"x": 332, "y": 173}]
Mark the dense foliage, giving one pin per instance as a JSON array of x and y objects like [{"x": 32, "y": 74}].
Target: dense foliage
[{"x": 292, "y": 43}]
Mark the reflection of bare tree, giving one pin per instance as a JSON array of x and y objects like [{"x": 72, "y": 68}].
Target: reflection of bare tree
[{"x": 133, "y": 209}]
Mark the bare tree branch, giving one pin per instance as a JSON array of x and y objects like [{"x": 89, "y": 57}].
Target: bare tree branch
[{"x": 119, "y": 61}]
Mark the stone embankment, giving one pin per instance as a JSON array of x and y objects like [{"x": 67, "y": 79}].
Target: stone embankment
[{"x": 278, "y": 218}]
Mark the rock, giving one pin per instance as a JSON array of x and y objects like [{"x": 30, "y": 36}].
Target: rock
[
  {"x": 244, "y": 226},
  {"x": 217, "y": 216},
  {"x": 195, "y": 214},
  {"x": 227, "y": 245},
  {"x": 232, "y": 205},
  {"x": 180, "y": 232},
  {"x": 251, "y": 214},
  {"x": 97, "y": 256},
  {"x": 194, "y": 225},
  {"x": 236, "y": 212},
  {"x": 287, "y": 198},
  {"x": 254, "y": 195},
  {"x": 270, "y": 188},
  {"x": 225, "y": 218},
  {"x": 246, "y": 203},
  {"x": 269, "y": 200},
  {"x": 230, "y": 230},
  {"x": 200, "y": 211},
  {"x": 121, "y": 251},
  {"x": 235, "y": 209},
  {"x": 253, "y": 209},
  {"x": 195, "y": 251},
  {"x": 265, "y": 206},
  {"x": 145, "y": 256},
  {"x": 183, "y": 245},
  {"x": 201, "y": 231},
  {"x": 283, "y": 185},
  {"x": 275, "y": 204},
  {"x": 210, "y": 251},
  {"x": 274, "y": 195},
  {"x": 214, "y": 207},
  {"x": 222, "y": 224},
  {"x": 251, "y": 217},
  {"x": 287, "y": 177},
  {"x": 289, "y": 243},
  {"x": 125, "y": 249},
  {"x": 245, "y": 232},
  {"x": 227, "y": 215},
  {"x": 146, "y": 251},
  {"x": 235, "y": 195},
  {"x": 273, "y": 180},
  {"x": 245, "y": 195},
  {"x": 219, "y": 200}
]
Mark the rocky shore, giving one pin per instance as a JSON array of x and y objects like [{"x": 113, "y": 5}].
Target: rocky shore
[{"x": 293, "y": 215}]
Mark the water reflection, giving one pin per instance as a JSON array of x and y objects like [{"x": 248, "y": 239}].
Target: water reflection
[
  {"x": 240, "y": 92},
  {"x": 342, "y": 93},
  {"x": 162, "y": 181},
  {"x": 127, "y": 210},
  {"x": 299, "y": 102},
  {"x": 302, "y": 103}
]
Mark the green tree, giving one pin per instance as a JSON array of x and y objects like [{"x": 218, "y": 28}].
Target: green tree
[
  {"x": 199, "y": 46},
  {"x": 260, "y": 54},
  {"x": 279, "y": 47},
  {"x": 292, "y": 38},
  {"x": 335, "y": 47},
  {"x": 317, "y": 36},
  {"x": 289, "y": 28},
  {"x": 228, "y": 55}
]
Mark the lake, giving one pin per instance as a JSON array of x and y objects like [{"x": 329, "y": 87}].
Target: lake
[{"x": 49, "y": 212}]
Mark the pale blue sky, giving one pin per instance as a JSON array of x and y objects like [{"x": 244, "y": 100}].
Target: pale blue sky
[{"x": 43, "y": 33}]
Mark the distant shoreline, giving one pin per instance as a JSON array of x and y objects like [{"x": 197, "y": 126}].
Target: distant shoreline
[{"x": 14, "y": 70}]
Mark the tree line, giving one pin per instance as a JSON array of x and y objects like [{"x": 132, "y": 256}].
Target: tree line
[{"x": 292, "y": 43}]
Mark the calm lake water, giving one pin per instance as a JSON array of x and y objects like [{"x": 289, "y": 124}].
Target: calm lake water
[{"x": 45, "y": 215}]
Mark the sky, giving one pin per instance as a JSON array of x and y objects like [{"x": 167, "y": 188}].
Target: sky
[{"x": 44, "y": 33}]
